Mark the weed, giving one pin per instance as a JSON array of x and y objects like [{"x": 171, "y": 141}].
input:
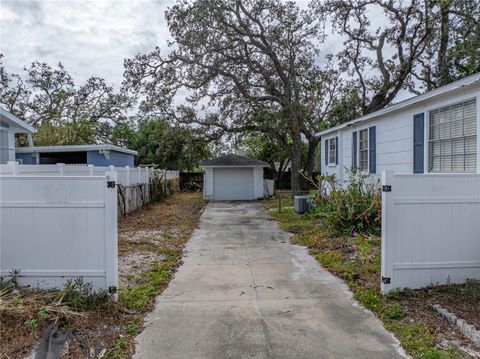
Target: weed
[
  {"x": 138, "y": 297},
  {"x": 331, "y": 259},
  {"x": 394, "y": 294},
  {"x": 120, "y": 346},
  {"x": 32, "y": 323},
  {"x": 12, "y": 282},
  {"x": 42, "y": 314},
  {"x": 415, "y": 338},
  {"x": 350, "y": 207},
  {"x": 370, "y": 300},
  {"x": 394, "y": 312},
  {"x": 132, "y": 329},
  {"x": 122, "y": 343},
  {"x": 80, "y": 296}
]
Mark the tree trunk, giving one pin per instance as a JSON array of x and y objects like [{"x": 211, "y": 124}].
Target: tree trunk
[
  {"x": 311, "y": 156},
  {"x": 296, "y": 157}
]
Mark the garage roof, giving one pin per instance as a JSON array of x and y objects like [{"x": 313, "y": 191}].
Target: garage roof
[
  {"x": 232, "y": 160},
  {"x": 75, "y": 148}
]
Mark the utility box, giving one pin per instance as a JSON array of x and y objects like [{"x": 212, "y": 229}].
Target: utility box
[{"x": 301, "y": 204}]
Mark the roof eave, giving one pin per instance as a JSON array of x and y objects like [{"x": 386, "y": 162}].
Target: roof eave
[
  {"x": 21, "y": 125},
  {"x": 460, "y": 84}
]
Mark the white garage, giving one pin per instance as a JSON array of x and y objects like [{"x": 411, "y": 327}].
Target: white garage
[{"x": 233, "y": 178}]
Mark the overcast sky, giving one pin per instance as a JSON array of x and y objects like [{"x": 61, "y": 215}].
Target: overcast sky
[
  {"x": 87, "y": 37},
  {"x": 92, "y": 38}
]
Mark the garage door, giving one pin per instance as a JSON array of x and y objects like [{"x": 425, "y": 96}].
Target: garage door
[{"x": 231, "y": 184}]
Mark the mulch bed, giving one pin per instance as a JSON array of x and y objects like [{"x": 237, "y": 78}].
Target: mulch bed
[
  {"x": 457, "y": 299},
  {"x": 167, "y": 225}
]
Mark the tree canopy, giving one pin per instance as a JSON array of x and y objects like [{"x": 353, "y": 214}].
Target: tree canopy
[{"x": 260, "y": 68}]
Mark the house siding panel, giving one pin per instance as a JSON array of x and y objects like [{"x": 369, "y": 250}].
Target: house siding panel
[
  {"x": 117, "y": 159},
  {"x": 394, "y": 136}
]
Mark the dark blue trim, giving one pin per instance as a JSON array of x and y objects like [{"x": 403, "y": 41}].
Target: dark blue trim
[
  {"x": 336, "y": 150},
  {"x": 372, "y": 153},
  {"x": 354, "y": 149},
  {"x": 326, "y": 152},
  {"x": 418, "y": 143}
]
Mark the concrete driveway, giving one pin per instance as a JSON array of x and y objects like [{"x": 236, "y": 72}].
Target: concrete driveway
[{"x": 245, "y": 292}]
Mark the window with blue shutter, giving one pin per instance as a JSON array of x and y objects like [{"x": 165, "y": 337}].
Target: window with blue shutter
[
  {"x": 354, "y": 149},
  {"x": 418, "y": 142},
  {"x": 372, "y": 144}
]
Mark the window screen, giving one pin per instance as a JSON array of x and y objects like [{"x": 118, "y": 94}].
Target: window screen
[
  {"x": 452, "y": 138},
  {"x": 363, "y": 149}
]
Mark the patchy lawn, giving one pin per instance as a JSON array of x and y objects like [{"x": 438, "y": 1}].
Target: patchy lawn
[
  {"x": 151, "y": 242},
  {"x": 408, "y": 314}
]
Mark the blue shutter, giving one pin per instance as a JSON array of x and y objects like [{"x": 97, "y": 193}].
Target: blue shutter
[
  {"x": 336, "y": 150},
  {"x": 326, "y": 152},
  {"x": 418, "y": 142},
  {"x": 372, "y": 149},
  {"x": 354, "y": 149}
]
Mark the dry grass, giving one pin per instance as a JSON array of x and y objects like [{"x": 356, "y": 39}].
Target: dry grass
[
  {"x": 409, "y": 314},
  {"x": 163, "y": 229}
]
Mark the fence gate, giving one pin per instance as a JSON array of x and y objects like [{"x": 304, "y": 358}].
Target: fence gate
[
  {"x": 54, "y": 228},
  {"x": 430, "y": 229}
]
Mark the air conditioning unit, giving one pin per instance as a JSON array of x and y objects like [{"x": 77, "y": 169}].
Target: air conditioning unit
[{"x": 301, "y": 204}]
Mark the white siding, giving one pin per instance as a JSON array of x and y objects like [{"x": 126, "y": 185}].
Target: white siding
[
  {"x": 208, "y": 183},
  {"x": 394, "y": 136},
  {"x": 7, "y": 145},
  {"x": 257, "y": 182}
]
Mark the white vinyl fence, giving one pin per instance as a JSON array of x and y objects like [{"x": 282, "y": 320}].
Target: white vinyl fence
[
  {"x": 125, "y": 176},
  {"x": 430, "y": 229},
  {"x": 133, "y": 183},
  {"x": 53, "y": 228}
]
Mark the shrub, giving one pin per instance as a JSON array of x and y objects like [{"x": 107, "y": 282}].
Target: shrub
[
  {"x": 350, "y": 207},
  {"x": 79, "y": 295}
]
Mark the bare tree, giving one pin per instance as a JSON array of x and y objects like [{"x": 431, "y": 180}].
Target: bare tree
[
  {"x": 454, "y": 42},
  {"x": 252, "y": 62},
  {"x": 48, "y": 95},
  {"x": 380, "y": 59}
]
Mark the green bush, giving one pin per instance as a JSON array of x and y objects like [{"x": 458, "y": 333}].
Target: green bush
[{"x": 350, "y": 207}]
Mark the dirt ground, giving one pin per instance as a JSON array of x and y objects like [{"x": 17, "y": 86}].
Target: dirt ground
[
  {"x": 461, "y": 300},
  {"x": 146, "y": 236}
]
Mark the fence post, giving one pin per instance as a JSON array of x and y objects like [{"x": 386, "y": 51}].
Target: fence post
[
  {"x": 128, "y": 176},
  {"x": 14, "y": 167},
  {"x": 139, "y": 175},
  {"x": 111, "y": 239},
  {"x": 387, "y": 220},
  {"x": 60, "y": 168},
  {"x": 112, "y": 173},
  {"x": 90, "y": 169}
]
